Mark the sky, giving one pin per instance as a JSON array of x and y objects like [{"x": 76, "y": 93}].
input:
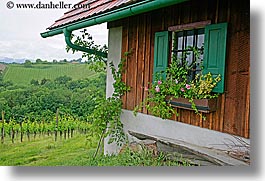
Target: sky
[{"x": 20, "y": 32}]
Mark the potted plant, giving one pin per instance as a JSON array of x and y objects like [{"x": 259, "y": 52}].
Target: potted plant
[{"x": 181, "y": 89}]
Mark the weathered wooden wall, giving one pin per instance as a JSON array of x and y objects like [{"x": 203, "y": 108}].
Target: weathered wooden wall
[{"x": 232, "y": 115}]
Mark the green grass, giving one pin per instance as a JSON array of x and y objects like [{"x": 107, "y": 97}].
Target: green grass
[
  {"x": 19, "y": 74},
  {"x": 46, "y": 152},
  {"x": 75, "y": 151}
]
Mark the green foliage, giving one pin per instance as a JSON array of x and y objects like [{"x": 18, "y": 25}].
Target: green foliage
[
  {"x": 178, "y": 83},
  {"x": 144, "y": 157},
  {"x": 62, "y": 79},
  {"x": 34, "y": 82},
  {"x": 97, "y": 63},
  {"x": 41, "y": 100},
  {"x": 106, "y": 117}
]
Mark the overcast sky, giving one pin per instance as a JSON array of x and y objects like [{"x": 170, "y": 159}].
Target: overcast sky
[{"x": 20, "y": 32}]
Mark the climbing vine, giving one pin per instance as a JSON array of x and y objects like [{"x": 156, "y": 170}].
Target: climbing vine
[
  {"x": 105, "y": 120},
  {"x": 106, "y": 117}
]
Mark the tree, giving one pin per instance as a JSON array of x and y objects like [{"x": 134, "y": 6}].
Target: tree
[
  {"x": 62, "y": 79},
  {"x": 34, "y": 82},
  {"x": 44, "y": 81},
  {"x": 28, "y": 63},
  {"x": 38, "y": 61}
]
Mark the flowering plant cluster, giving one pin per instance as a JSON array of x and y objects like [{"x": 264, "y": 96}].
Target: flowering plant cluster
[{"x": 179, "y": 83}]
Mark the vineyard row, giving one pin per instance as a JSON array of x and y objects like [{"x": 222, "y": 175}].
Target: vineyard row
[{"x": 63, "y": 127}]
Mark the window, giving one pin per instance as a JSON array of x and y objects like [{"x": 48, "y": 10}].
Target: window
[
  {"x": 181, "y": 41},
  {"x": 211, "y": 36}
]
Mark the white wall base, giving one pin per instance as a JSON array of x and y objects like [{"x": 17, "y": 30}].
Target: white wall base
[{"x": 155, "y": 126}]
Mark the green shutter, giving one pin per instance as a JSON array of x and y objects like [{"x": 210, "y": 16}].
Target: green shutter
[
  {"x": 215, "y": 53},
  {"x": 161, "y": 53}
]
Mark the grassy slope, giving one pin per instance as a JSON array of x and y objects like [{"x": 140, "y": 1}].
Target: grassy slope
[
  {"x": 73, "y": 152},
  {"x": 46, "y": 152},
  {"x": 19, "y": 74}
]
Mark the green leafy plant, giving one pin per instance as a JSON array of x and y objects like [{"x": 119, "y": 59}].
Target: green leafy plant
[
  {"x": 106, "y": 117},
  {"x": 179, "y": 83}
]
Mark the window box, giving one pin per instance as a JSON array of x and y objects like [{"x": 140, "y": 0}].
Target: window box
[{"x": 203, "y": 105}]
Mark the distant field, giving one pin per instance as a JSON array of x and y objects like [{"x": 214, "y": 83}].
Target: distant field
[{"x": 19, "y": 74}]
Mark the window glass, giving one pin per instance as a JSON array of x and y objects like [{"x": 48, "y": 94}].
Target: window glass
[{"x": 181, "y": 42}]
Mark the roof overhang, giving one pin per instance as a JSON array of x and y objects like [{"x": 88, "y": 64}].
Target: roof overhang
[{"x": 112, "y": 15}]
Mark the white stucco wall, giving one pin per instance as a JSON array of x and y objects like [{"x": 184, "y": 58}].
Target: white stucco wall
[{"x": 114, "y": 55}]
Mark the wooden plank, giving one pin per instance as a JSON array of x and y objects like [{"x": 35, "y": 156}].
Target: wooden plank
[
  {"x": 231, "y": 82},
  {"x": 189, "y": 26},
  {"x": 174, "y": 15},
  {"x": 247, "y": 118},
  {"x": 242, "y": 96},
  {"x": 186, "y": 116},
  {"x": 195, "y": 11},
  {"x": 221, "y": 116},
  {"x": 156, "y": 27},
  {"x": 132, "y": 68},
  {"x": 211, "y": 121},
  {"x": 168, "y": 16},
  {"x": 125, "y": 48},
  {"x": 178, "y": 19},
  {"x": 216, "y": 11},
  {"x": 141, "y": 59},
  {"x": 216, "y": 115},
  {"x": 206, "y": 122},
  {"x": 147, "y": 57},
  {"x": 211, "y": 10},
  {"x": 177, "y": 115},
  {"x": 185, "y": 13},
  {"x": 230, "y": 111},
  {"x": 223, "y": 11},
  {"x": 204, "y": 10},
  {"x": 136, "y": 83},
  {"x": 189, "y": 117},
  {"x": 195, "y": 119},
  {"x": 201, "y": 120}
]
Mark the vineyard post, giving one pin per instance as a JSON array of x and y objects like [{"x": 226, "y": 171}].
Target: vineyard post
[
  {"x": 3, "y": 128},
  {"x": 56, "y": 126},
  {"x": 21, "y": 131},
  {"x": 12, "y": 132}
]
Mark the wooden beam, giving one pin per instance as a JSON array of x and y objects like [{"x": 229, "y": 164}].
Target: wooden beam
[{"x": 188, "y": 26}]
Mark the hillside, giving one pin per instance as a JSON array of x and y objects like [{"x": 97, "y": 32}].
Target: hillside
[{"x": 20, "y": 74}]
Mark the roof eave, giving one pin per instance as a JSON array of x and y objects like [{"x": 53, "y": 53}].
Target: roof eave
[{"x": 133, "y": 9}]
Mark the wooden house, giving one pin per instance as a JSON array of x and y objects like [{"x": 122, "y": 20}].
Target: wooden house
[{"x": 147, "y": 27}]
